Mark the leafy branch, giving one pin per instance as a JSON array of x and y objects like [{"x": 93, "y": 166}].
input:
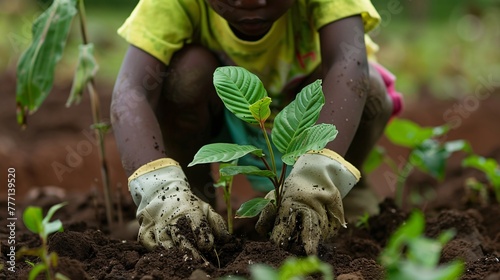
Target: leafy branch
[{"x": 36, "y": 71}]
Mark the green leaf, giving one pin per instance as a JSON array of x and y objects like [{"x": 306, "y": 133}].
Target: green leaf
[
  {"x": 37, "y": 269},
  {"x": 35, "y": 70},
  {"x": 409, "y": 134},
  {"x": 412, "y": 228},
  {"x": 260, "y": 110},
  {"x": 487, "y": 165},
  {"x": 297, "y": 116},
  {"x": 86, "y": 69},
  {"x": 312, "y": 138},
  {"x": 32, "y": 218},
  {"x": 223, "y": 152},
  {"x": 297, "y": 267},
  {"x": 422, "y": 254},
  {"x": 374, "y": 160},
  {"x": 262, "y": 271},
  {"x": 53, "y": 210},
  {"x": 248, "y": 170},
  {"x": 239, "y": 89},
  {"x": 424, "y": 251},
  {"x": 457, "y": 146},
  {"x": 252, "y": 207},
  {"x": 410, "y": 270},
  {"x": 53, "y": 226},
  {"x": 430, "y": 157}
]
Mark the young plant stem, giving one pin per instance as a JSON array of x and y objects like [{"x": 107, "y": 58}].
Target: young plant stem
[
  {"x": 46, "y": 260},
  {"x": 229, "y": 208},
  {"x": 96, "y": 116},
  {"x": 276, "y": 183}
]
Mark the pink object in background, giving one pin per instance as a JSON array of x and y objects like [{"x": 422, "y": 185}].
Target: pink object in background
[{"x": 389, "y": 81}]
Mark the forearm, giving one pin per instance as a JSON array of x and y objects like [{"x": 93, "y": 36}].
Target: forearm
[
  {"x": 135, "y": 125},
  {"x": 345, "y": 79},
  {"x": 345, "y": 86}
]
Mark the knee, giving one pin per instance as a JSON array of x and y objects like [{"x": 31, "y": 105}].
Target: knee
[
  {"x": 378, "y": 107},
  {"x": 189, "y": 76}
]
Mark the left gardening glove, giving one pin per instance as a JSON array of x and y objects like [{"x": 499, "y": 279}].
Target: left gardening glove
[
  {"x": 311, "y": 209},
  {"x": 169, "y": 214}
]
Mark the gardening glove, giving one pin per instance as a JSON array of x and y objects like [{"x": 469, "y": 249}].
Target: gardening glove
[
  {"x": 169, "y": 214},
  {"x": 311, "y": 209}
]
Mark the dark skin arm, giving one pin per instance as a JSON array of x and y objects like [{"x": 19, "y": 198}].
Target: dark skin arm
[
  {"x": 135, "y": 125},
  {"x": 345, "y": 78}
]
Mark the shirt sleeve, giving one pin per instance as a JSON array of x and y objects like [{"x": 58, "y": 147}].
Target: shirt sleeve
[
  {"x": 323, "y": 12},
  {"x": 161, "y": 27}
]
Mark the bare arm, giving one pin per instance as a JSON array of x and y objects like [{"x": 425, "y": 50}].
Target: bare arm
[
  {"x": 345, "y": 78},
  {"x": 135, "y": 94}
]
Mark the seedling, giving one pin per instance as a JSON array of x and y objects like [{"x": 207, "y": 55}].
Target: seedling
[
  {"x": 293, "y": 134},
  {"x": 292, "y": 268},
  {"x": 363, "y": 221},
  {"x": 36, "y": 223},
  {"x": 36, "y": 72},
  {"x": 427, "y": 153},
  {"x": 490, "y": 167},
  {"x": 410, "y": 255}
]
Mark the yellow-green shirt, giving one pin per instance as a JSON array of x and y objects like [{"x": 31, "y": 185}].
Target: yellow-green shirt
[{"x": 288, "y": 52}]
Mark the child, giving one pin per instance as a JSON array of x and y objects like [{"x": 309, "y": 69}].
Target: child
[{"x": 165, "y": 108}]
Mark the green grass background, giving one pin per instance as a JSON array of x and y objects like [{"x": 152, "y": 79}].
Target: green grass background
[{"x": 437, "y": 47}]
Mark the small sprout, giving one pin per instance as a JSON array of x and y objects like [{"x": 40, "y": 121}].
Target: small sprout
[
  {"x": 36, "y": 223},
  {"x": 489, "y": 167},
  {"x": 363, "y": 221},
  {"x": 292, "y": 268},
  {"x": 411, "y": 255}
]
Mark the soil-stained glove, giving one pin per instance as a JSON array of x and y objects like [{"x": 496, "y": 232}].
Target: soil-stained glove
[
  {"x": 311, "y": 210},
  {"x": 169, "y": 214}
]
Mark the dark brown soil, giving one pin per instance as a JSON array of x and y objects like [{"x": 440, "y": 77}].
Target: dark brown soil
[{"x": 88, "y": 249}]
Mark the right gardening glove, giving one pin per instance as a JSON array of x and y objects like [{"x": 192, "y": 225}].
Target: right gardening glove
[
  {"x": 311, "y": 209},
  {"x": 169, "y": 214}
]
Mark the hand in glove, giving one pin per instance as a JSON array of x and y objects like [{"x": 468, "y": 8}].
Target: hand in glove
[
  {"x": 166, "y": 207},
  {"x": 311, "y": 209}
]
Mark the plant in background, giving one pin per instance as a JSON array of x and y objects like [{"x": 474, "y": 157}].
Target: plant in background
[
  {"x": 410, "y": 255},
  {"x": 36, "y": 223},
  {"x": 294, "y": 131},
  {"x": 489, "y": 167},
  {"x": 427, "y": 152},
  {"x": 36, "y": 68},
  {"x": 292, "y": 268}
]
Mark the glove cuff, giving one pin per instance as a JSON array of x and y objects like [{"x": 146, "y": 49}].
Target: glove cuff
[
  {"x": 152, "y": 166},
  {"x": 146, "y": 182},
  {"x": 334, "y": 156}
]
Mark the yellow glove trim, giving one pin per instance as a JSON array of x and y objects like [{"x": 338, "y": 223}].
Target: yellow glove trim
[
  {"x": 333, "y": 155},
  {"x": 152, "y": 166}
]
